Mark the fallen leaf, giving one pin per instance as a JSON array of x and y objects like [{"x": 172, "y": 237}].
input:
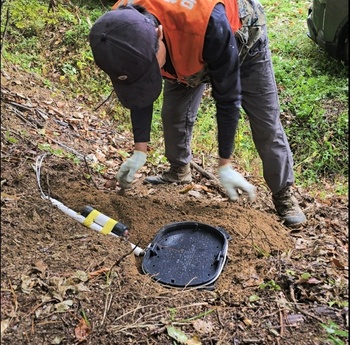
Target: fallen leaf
[
  {"x": 177, "y": 334},
  {"x": 247, "y": 322},
  {"x": 60, "y": 104},
  {"x": 186, "y": 189},
  {"x": 98, "y": 272},
  {"x": 193, "y": 341},
  {"x": 57, "y": 340},
  {"x": 253, "y": 298},
  {"x": 294, "y": 319},
  {"x": 78, "y": 115},
  {"x": 63, "y": 306},
  {"x": 101, "y": 157},
  {"x": 314, "y": 281},
  {"x": 274, "y": 332},
  {"x": 82, "y": 330},
  {"x": 201, "y": 187},
  {"x": 80, "y": 275},
  {"x": 4, "y": 325},
  {"x": 80, "y": 288},
  {"x": 203, "y": 327},
  {"x": 41, "y": 267},
  {"x": 302, "y": 244},
  {"x": 27, "y": 284},
  {"x": 195, "y": 194},
  {"x": 112, "y": 184},
  {"x": 337, "y": 263},
  {"x": 110, "y": 163},
  {"x": 58, "y": 288},
  {"x": 7, "y": 197},
  {"x": 91, "y": 158}
]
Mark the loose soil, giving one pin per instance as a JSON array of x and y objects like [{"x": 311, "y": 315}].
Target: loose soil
[{"x": 63, "y": 283}]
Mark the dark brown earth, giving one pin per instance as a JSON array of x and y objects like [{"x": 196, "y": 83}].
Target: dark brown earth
[{"x": 62, "y": 283}]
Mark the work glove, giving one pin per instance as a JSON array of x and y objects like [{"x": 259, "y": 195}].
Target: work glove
[
  {"x": 231, "y": 180},
  {"x": 128, "y": 169}
]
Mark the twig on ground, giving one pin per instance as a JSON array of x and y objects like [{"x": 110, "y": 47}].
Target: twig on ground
[
  {"x": 48, "y": 322},
  {"x": 192, "y": 305},
  {"x": 105, "y": 101},
  {"x": 253, "y": 341},
  {"x": 15, "y": 301},
  {"x": 40, "y": 305},
  {"x": 292, "y": 295},
  {"x": 156, "y": 316},
  {"x": 42, "y": 114},
  {"x": 158, "y": 330},
  {"x": 215, "y": 181},
  {"x": 78, "y": 154},
  {"x": 281, "y": 323},
  {"x": 219, "y": 318},
  {"x": 19, "y": 105},
  {"x": 117, "y": 263},
  {"x": 20, "y": 116},
  {"x": 32, "y": 326},
  {"x": 139, "y": 325},
  {"x": 271, "y": 314},
  {"x": 205, "y": 173},
  {"x": 133, "y": 310},
  {"x": 108, "y": 302},
  {"x": 222, "y": 337}
]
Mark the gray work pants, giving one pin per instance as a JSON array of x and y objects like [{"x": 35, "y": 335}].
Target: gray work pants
[{"x": 259, "y": 101}]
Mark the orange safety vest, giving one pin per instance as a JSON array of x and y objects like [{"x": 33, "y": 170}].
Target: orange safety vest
[{"x": 184, "y": 25}]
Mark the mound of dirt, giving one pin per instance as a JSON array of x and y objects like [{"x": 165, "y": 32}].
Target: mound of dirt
[{"x": 63, "y": 283}]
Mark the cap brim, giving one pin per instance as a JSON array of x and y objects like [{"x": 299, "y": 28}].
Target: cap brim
[{"x": 143, "y": 92}]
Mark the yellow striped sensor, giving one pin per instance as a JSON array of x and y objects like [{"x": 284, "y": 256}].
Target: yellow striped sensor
[
  {"x": 108, "y": 227},
  {"x": 91, "y": 217}
]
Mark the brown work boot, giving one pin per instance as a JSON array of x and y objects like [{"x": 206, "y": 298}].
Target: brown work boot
[
  {"x": 181, "y": 175},
  {"x": 288, "y": 208}
]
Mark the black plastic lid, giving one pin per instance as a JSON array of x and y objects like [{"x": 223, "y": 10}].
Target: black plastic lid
[{"x": 186, "y": 254}]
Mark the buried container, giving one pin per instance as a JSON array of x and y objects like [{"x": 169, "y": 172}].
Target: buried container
[{"x": 187, "y": 254}]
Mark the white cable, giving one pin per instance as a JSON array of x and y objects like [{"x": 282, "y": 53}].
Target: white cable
[
  {"x": 38, "y": 164},
  {"x": 76, "y": 216}
]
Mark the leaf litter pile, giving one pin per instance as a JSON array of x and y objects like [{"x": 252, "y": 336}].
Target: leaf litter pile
[{"x": 63, "y": 283}]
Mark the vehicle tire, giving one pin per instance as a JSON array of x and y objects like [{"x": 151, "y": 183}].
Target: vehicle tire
[{"x": 346, "y": 51}]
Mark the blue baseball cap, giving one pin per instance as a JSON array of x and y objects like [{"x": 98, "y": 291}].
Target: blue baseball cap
[{"x": 123, "y": 44}]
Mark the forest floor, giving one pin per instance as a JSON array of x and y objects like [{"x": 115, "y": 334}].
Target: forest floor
[{"x": 63, "y": 283}]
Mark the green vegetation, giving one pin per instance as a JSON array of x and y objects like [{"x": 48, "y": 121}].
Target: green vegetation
[
  {"x": 313, "y": 88},
  {"x": 313, "y": 94},
  {"x": 270, "y": 285},
  {"x": 334, "y": 332}
]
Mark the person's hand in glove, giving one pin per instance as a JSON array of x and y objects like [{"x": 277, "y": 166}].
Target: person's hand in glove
[
  {"x": 231, "y": 180},
  {"x": 129, "y": 168}
]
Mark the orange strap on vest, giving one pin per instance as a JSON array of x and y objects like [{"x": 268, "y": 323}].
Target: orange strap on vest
[{"x": 184, "y": 25}]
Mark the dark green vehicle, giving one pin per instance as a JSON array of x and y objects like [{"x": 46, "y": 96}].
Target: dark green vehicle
[{"x": 328, "y": 23}]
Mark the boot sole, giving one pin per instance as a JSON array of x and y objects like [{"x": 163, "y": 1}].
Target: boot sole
[{"x": 159, "y": 180}]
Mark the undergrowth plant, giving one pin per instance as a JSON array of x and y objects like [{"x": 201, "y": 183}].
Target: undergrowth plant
[
  {"x": 335, "y": 335},
  {"x": 313, "y": 91},
  {"x": 313, "y": 88}
]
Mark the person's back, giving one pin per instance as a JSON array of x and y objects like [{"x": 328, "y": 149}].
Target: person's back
[{"x": 194, "y": 55}]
